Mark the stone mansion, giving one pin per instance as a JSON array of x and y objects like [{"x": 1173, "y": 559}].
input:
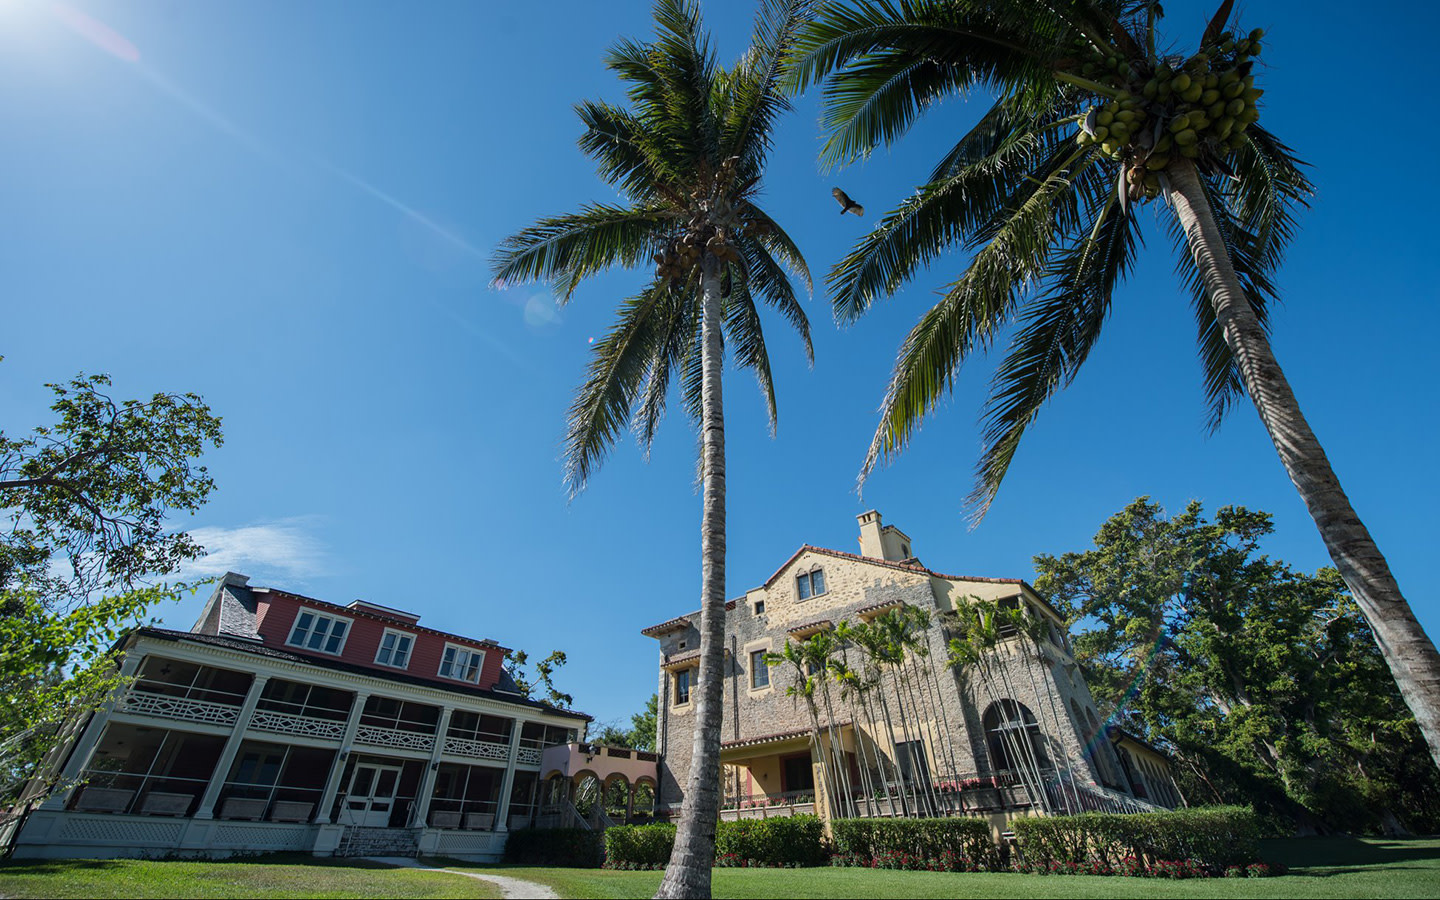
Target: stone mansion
[{"x": 1030, "y": 742}]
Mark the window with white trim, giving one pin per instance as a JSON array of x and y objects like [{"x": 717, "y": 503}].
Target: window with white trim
[
  {"x": 461, "y": 663},
  {"x": 395, "y": 649},
  {"x": 316, "y": 631},
  {"x": 810, "y": 584}
]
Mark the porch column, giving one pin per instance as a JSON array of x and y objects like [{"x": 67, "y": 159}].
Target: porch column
[
  {"x": 232, "y": 746},
  {"x": 427, "y": 777},
  {"x": 332, "y": 784},
  {"x": 507, "y": 783},
  {"x": 85, "y": 744}
]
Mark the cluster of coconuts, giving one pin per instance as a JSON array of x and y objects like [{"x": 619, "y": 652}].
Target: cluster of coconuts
[
  {"x": 680, "y": 256},
  {"x": 712, "y": 229},
  {"x": 1198, "y": 108}
]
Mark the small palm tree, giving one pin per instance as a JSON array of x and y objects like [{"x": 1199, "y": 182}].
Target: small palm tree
[
  {"x": 687, "y": 154},
  {"x": 1092, "y": 119}
]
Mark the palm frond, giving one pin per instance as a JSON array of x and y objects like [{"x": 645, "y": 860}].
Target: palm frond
[
  {"x": 619, "y": 142},
  {"x": 569, "y": 248},
  {"x": 1057, "y": 332},
  {"x": 976, "y": 200},
  {"x": 757, "y": 101},
  {"x": 747, "y": 340},
  {"x": 968, "y": 316},
  {"x": 677, "y": 329},
  {"x": 762, "y": 275},
  {"x": 880, "y": 98},
  {"x": 618, "y": 367}
]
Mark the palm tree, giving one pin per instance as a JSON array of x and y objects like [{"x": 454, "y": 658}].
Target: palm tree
[
  {"x": 1092, "y": 119},
  {"x": 687, "y": 155}
]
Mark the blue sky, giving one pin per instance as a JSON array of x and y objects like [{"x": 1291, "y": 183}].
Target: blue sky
[{"x": 289, "y": 208}]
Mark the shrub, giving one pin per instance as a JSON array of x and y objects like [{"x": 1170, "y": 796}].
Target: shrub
[
  {"x": 790, "y": 841},
  {"x": 564, "y": 847},
  {"x": 633, "y": 846},
  {"x": 781, "y": 841},
  {"x": 969, "y": 840},
  {"x": 1214, "y": 837}
]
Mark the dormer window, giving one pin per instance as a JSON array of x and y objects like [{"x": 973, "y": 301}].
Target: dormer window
[
  {"x": 811, "y": 584},
  {"x": 314, "y": 631},
  {"x": 461, "y": 663},
  {"x": 394, "y": 649}
]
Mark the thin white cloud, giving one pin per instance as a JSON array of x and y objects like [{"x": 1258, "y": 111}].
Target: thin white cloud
[{"x": 283, "y": 549}]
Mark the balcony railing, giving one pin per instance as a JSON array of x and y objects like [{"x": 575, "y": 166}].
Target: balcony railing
[
  {"x": 395, "y": 738},
  {"x": 166, "y": 706},
  {"x": 476, "y": 749},
  {"x": 304, "y": 726}
]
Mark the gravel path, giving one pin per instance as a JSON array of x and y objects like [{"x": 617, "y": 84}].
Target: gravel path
[{"x": 510, "y": 887}]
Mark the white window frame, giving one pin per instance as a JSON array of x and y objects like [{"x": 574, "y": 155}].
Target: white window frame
[
  {"x": 318, "y": 616},
  {"x": 475, "y": 654},
  {"x": 399, "y": 636}
]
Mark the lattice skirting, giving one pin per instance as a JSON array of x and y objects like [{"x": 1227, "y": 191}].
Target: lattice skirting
[
  {"x": 467, "y": 843},
  {"x": 116, "y": 830},
  {"x": 243, "y": 835}
]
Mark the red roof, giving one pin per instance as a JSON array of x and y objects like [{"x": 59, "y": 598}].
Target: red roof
[{"x": 368, "y": 614}]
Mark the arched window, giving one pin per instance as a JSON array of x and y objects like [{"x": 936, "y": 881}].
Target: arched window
[
  {"x": 1087, "y": 739},
  {"x": 1100, "y": 741},
  {"x": 1013, "y": 737}
]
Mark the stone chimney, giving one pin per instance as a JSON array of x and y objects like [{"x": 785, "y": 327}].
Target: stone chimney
[{"x": 880, "y": 541}]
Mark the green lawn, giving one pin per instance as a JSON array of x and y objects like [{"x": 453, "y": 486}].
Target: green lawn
[
  {"x": 1322, "y": 867},
  {"x": 270, "y": 876}
]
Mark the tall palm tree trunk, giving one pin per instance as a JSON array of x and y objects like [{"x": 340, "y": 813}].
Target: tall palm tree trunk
[
  {"x": 688, "y": 873},
  {"x": 1410, "y": 653}
]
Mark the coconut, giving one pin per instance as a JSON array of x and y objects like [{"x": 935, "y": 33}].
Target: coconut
[
  {"x": 1186, "y": 138},
  {"x": 1180, "y": 83},
  {"x": 1209, "y": 97},
  {"x": 1157, "y": 161}
]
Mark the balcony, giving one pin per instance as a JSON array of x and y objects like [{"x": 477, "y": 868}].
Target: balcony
[{"x": 145, "y": 700}]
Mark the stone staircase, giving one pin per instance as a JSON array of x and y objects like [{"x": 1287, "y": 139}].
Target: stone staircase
[{"x": 359, "y": 841}]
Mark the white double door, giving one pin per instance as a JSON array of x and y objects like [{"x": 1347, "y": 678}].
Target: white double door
[{"x": 371, "y": 797}]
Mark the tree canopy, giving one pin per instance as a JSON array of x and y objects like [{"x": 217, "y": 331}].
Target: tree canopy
[
  {"x": 88, "y": 547},
  {"x": 1263, "y": 682}
]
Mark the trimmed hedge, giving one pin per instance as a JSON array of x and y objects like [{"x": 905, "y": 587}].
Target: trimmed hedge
[
  {"x": 639, "y": 846},
  {"x": 925, "y": 839},
  {"x": 576, "y": 848},
  {"x": 1216, "y": 836},
  {"x": 789, "y": 841}
]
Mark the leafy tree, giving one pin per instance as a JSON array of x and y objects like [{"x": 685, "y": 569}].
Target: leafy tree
[
  {"x": 1265, "y": 683},
  {"x": 1093, "y": 117},
  {"x": 641, "y": 733},
  {"x": 642, "y": 725},
  {"x": 544, "y": 677},
  {"x": 687, "y": 155},
  {"x": 86, "y": 501},
  {"x": 87, "y": 497}
]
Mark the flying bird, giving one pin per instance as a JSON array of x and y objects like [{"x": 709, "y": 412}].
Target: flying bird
[{"x": 846, "y": 204}]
